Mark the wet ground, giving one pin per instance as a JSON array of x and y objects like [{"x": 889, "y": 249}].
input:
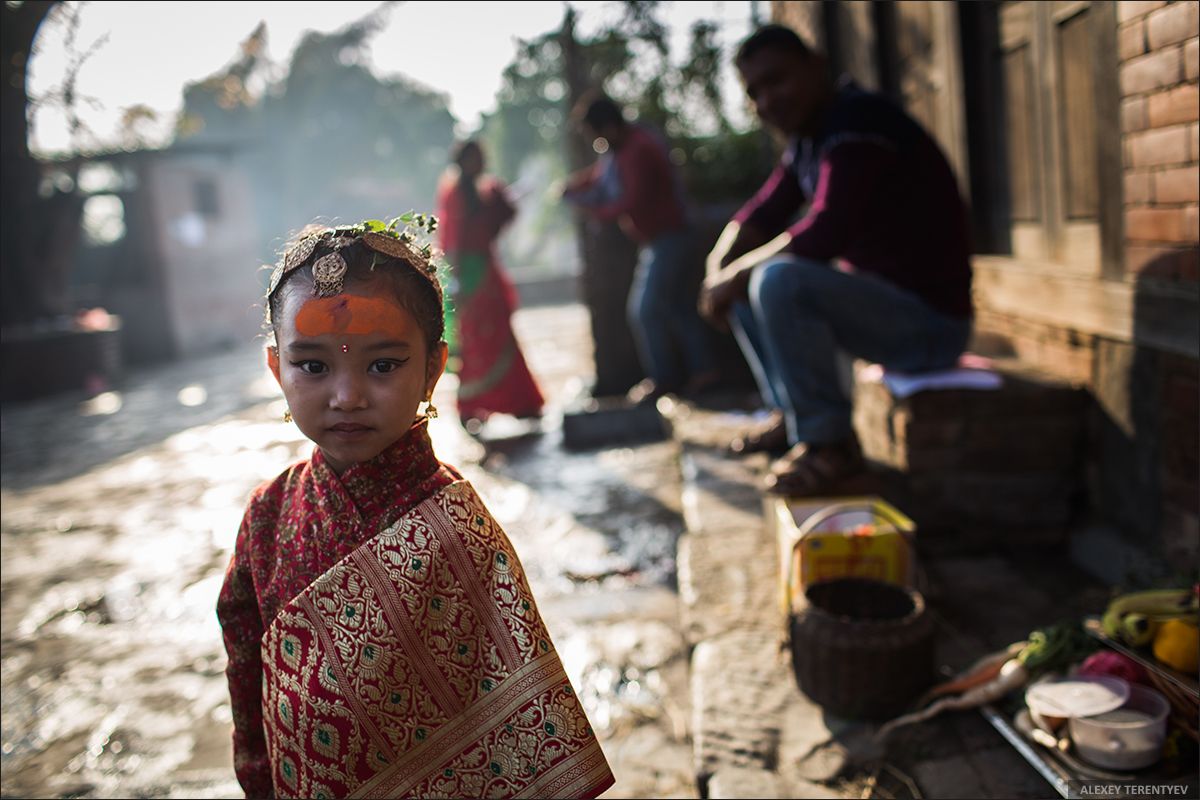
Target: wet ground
[{"x": 119, "y": 515}]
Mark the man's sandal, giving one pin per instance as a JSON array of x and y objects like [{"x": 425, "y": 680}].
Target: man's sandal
[
  {"x": 823, "y": 471},
  {"x": 771, "y": 437}
]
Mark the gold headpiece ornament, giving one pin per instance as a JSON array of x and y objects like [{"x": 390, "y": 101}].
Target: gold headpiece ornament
[{"x": 387, "y": 239}]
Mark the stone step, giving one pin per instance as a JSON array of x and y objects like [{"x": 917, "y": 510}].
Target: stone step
[{"x": 977, "y": 468}]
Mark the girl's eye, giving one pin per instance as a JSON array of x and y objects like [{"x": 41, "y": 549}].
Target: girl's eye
[
  {"x": 385, "y": 365},
  {"x": 310, "y": 367}
]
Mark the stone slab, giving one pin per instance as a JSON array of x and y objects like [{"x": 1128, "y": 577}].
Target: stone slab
[
  {"x": 737, "y": 782},
  {"x": 740, "y": 684},
  {"x": 725, "y": 585},
  {"x": 604, "y": 424}
]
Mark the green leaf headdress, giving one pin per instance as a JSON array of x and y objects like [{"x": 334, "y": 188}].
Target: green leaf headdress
[{"x": 404, "y": 238}]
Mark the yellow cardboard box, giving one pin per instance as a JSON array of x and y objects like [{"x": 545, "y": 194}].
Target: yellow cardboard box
[{"x": 840, "y": 537}]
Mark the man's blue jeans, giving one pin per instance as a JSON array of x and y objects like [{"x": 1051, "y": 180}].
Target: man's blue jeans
[
  {"x": 662, "y": 313},
  {"x": 801, "y": 313}
]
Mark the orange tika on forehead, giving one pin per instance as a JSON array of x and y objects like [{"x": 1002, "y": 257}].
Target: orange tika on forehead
[{"x": 352, "y": 314}]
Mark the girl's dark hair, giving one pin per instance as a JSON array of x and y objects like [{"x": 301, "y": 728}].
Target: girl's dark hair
[
  {"x": 458, "y": 154},
  {"x": 418, "y": 291},
  {"x": 778, "y": 36},
  {"x": 460, "y": 150}
]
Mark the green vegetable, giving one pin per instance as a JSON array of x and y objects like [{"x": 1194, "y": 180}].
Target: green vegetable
[{"x": 1056, "y": 647}]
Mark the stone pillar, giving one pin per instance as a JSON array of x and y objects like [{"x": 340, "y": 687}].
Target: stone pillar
[{"x": 607, "y": 255}]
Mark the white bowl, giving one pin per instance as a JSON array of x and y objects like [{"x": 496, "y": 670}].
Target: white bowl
[{"x": 1130, "y": 737}]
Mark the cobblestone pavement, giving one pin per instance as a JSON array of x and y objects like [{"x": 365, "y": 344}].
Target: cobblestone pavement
[{"x": 119, "y": 514}]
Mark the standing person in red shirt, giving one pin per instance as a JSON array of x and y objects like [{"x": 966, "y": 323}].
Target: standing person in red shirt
[{"x": 635, "y": 183}]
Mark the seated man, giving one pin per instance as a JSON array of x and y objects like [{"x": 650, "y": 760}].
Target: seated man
[{"x": 878, "y": 267}]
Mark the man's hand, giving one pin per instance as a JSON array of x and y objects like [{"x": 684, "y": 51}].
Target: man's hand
[
  {"x": 728, "y": 247},
  {"x": 720, "y": 291},
  {"x": 575, "y": 183},
  {"x": 730, "y": 265}
]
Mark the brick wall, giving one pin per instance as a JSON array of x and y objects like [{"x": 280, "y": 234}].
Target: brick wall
[
  {"x": 1160, "y": 121},
  {"x": 1145, "y": 474},
  {"x": 1142, "y": 471}
]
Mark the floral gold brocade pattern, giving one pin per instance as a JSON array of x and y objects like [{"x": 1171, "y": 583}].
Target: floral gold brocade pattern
[
  {"x": 418, "y": 666},
  {"x": 296, "y": 527}
]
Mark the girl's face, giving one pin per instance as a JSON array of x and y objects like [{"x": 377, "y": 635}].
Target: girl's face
[{"x": 353, "y": 367}]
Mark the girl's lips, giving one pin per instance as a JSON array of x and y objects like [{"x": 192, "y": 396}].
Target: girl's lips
[{"x": 349, "y": 427}]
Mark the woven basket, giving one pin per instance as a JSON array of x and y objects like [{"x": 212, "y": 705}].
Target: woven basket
[{"x": 862, "y": 649}]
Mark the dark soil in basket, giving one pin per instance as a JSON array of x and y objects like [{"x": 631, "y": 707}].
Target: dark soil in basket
[{"x": 861, "y": 600}]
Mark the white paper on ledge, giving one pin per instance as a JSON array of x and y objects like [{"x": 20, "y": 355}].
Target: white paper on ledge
[
  {"x": 973, "y": 372},
  {"x": 903, "y": 384}
]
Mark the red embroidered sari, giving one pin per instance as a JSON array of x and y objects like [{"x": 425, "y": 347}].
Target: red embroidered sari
[
  {"x": 494, "y": 377},
  {"x": 413, "y": 663}
]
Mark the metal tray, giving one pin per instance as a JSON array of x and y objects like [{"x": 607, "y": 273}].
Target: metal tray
[
  {"x": 1056, "y": 767},
  {"x": 1053, "y": 770}
]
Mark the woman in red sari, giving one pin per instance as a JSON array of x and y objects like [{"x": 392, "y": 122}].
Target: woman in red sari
[{"x": 472, "y": 210}]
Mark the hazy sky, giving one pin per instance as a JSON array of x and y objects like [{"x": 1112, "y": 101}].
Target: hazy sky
[{"x": 459, "y": 48}]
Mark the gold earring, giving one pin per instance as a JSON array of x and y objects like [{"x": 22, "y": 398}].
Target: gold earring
[
  {"x": 287, "y": 415},
  {"x": 430, "y": 410}
]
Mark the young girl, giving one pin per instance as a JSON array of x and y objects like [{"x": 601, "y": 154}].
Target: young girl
[{"x": 382, "y": 638}]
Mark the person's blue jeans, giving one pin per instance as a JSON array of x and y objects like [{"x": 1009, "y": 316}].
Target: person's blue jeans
[
  {"x": 802, "y": 313},
  {"x": 662, "y": 313}
]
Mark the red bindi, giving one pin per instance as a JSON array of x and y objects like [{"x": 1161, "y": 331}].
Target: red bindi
[{"x": 345, "y": 348}]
